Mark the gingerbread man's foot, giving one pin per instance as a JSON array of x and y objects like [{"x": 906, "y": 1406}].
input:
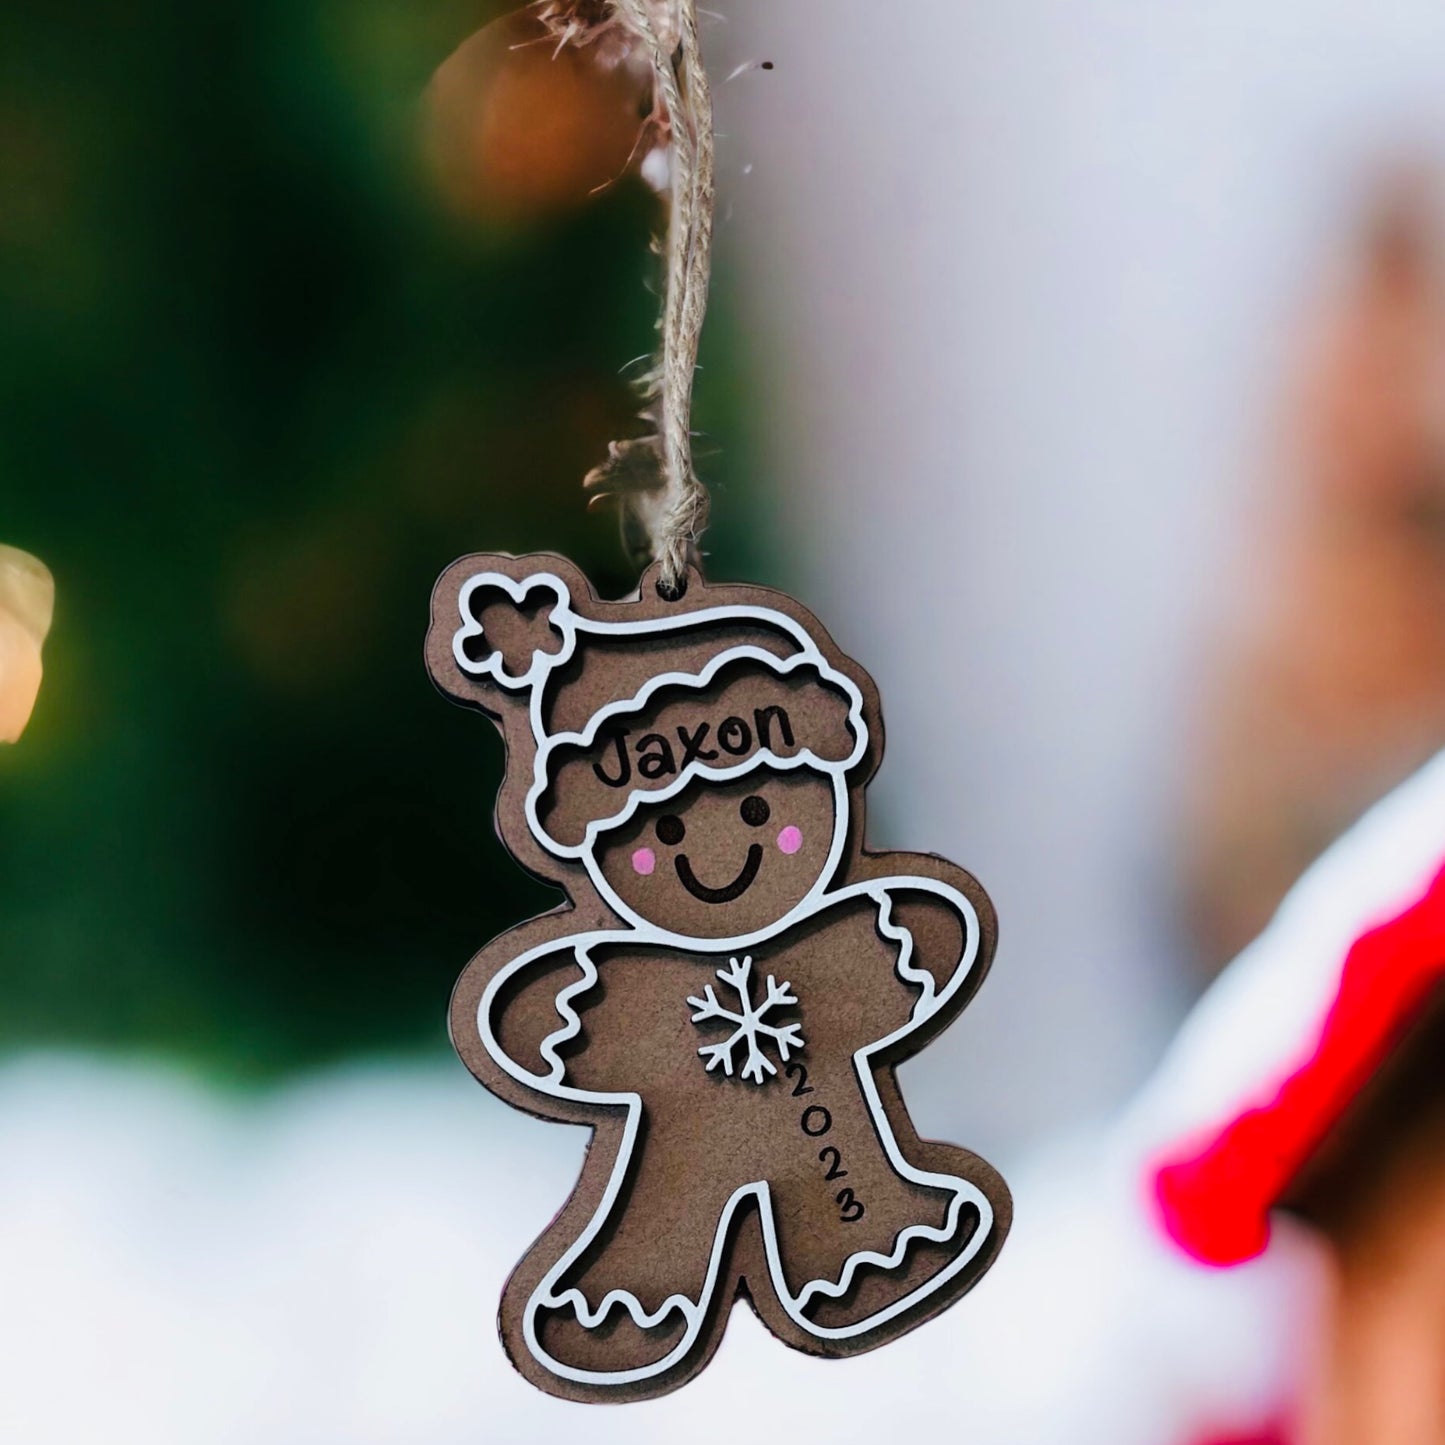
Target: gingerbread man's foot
[
  {"x": 928, "y": 1268},
  {"x": 615, "y": 1350},
  {"x": 920, "y": 1265},
  {"x": 637, "y": 1311}
]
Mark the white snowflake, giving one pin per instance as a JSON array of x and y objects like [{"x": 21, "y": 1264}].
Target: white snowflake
[{"x": 749, "y": 1020}]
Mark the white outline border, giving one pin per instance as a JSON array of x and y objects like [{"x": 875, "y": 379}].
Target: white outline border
[{"x": 569, "y": 625}]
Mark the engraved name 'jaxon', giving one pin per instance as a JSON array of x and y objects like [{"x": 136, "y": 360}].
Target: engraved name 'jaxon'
[{"x": 658, "y": 758}]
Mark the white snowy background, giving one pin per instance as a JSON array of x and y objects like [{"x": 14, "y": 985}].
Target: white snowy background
[{"x": 1011, "y": 274}]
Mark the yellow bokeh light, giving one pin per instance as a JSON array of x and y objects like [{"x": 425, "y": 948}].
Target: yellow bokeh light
[{"x": 27, "y": 604}]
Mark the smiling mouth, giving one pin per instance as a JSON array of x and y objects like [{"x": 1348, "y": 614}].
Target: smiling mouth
[{"x": 735, "y": 889}]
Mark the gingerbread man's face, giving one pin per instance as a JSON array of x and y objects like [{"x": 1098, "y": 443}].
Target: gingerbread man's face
[{"x": 724, "y": 860}]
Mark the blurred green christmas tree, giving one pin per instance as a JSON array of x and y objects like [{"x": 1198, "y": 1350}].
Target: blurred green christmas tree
[{"x": 256, "y": 390}]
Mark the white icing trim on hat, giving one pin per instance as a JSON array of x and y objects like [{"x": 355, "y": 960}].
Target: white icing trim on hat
[{"x": 779, "y": 666}]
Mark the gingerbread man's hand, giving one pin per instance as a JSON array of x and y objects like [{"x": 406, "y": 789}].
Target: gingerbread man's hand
[
  {"x": 938, "y": 932},
  {"x": 572, "y": 1019},
  {"x": 525, "y": 1019}
]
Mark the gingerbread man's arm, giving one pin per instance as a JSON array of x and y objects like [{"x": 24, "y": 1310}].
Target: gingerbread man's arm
[
  {"x": 514, "y": 1016},
  {"x": 943, "y": 925}
]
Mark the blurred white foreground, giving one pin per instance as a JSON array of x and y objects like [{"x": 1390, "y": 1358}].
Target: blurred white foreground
[{"x": 323, "y": 1264}]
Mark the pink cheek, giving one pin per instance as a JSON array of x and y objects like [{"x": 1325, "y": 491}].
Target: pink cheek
[
  {"x": 644, "y": 861},
  {"x": 790, "y": 840}
]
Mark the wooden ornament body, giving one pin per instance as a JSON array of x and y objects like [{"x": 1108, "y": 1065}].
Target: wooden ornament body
[{"x": 795, "y": 1180}]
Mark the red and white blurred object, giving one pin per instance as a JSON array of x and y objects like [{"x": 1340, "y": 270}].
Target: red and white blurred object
[
  {"x": 27, "y": 604},
  {"x": 1279, "y": 1052}
]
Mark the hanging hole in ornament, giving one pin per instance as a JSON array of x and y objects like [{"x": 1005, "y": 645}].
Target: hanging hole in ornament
[{"x": 672, "y": 591}]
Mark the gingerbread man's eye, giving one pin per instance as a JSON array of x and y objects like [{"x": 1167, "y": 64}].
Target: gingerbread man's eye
[
  {"x": 671, "y": 830},
  {"x": 755, "y": 812}
]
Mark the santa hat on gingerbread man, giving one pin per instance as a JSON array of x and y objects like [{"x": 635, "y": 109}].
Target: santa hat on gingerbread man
[{"x": 627, "y": 709}]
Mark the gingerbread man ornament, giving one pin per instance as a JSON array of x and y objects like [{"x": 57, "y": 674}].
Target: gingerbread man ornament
[{"x": 728, "y": 993}]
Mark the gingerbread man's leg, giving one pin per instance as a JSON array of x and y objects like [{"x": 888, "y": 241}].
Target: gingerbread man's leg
[
  {"x": 643, "y": 1291},
  {"x": 863, "y": 1233}
]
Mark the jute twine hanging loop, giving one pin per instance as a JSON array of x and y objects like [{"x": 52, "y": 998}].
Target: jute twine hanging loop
[{"x": 665, "y": 506}]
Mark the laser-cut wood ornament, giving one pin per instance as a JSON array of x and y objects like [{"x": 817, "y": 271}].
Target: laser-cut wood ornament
[{"x": 727, "y": 995}]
